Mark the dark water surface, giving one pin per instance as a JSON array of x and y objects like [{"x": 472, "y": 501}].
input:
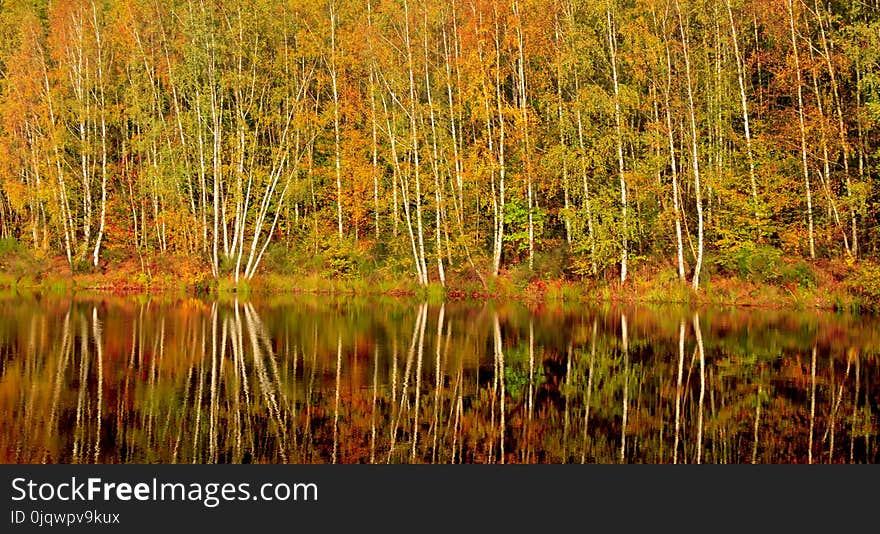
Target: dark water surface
[{"x": 326, "y": 379}]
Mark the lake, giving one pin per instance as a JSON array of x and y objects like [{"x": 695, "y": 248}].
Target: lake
[{"x": 329, "y": 379}]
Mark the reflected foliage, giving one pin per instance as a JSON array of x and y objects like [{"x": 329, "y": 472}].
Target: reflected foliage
[{"x": 309, "y": 379}]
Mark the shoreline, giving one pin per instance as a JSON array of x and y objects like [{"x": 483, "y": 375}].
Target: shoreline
[{"x": 643, "y": 287}]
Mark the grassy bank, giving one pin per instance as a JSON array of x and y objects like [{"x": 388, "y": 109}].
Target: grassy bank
[{"x": 752, "y": 279}]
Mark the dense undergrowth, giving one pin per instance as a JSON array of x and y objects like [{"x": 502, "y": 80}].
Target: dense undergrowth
[{"x": 747, "y": 276}]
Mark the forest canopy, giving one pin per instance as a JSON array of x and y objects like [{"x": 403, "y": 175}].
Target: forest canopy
[{"x": 444, "y": 135}]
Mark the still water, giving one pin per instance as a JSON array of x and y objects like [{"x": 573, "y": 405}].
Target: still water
[{"x": 319, "y": 379}]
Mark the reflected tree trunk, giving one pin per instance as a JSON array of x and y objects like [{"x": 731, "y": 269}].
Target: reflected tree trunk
[
  {"x": 566, "y": 394},
  {"x": 65, "y": 356},
  {"x": 812, "y": 404},
  {"x": 855, "y": 409},
  {"x": 589, "y": 392},
  {"x": 757, "y": 425},
  {"x": 699, "y": 335},
  {"x": 678, "y": 391},
  {"x": 624, "y": 335},
  {"x": 420, "y": 354},
  {"x": 499, "y": 359},
  {"x": 336, "y": 398},
  {"x": 531, "y": 409},
  {"x": 438, "y": 384},
  {"x": 373, "y": 406},
  {"x": 97, "y": 335}
]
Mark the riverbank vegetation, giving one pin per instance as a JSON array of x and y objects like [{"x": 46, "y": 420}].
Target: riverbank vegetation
[
  {"x": 783, "y": 283},
  {"x": 720, "y": 151}
]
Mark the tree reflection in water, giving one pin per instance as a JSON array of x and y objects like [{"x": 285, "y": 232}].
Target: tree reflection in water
[{"x": 314, "y": 380}]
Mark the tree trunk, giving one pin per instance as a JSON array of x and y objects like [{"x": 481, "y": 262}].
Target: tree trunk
[
  {"x": 670, "y": 132},
  {"x": 745, "y": 112},
  {"x": 695, "y": 164},
  {"x": 523, "y": 100},
  {"x": 803, "y": 134},
  {"x": 612, "y": 44},
  {"x": 334, "y": 83}
]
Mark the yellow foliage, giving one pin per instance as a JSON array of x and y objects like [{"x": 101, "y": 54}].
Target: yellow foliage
[{"x": 16, "y": 193}]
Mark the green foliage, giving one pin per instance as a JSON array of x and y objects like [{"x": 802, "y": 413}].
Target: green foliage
[
  {"x": 334, "y": 260},
  {"x": 552, "y": 263},
  {"x": 435, "y": 293},
  {"x": 748, "y": 261},
  {"x": 279, "y": 259},
  {"x": 516, "y": 372},
  {"x": 18, "y": 265},
  {"x": 228, "y": 286},
  {"x": 798, "y": 272},
  {"x": 520, "y": 276},
  {"x": 762, "y": 264},
  {"x": 866, "y": 283},
  {"x": 516, "y": 218},
  {"x": 605, "y": 242},
  {"x": 10, "y": 245},
  {"x": 340, "y": 263}
]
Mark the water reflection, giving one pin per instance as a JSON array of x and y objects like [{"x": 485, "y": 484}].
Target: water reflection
[{"x": 314, "y": 380}]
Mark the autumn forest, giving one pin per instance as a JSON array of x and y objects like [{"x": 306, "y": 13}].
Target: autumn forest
[
  {"x": 444, "y": 138},
  {"x": 636, "y": 166}
]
